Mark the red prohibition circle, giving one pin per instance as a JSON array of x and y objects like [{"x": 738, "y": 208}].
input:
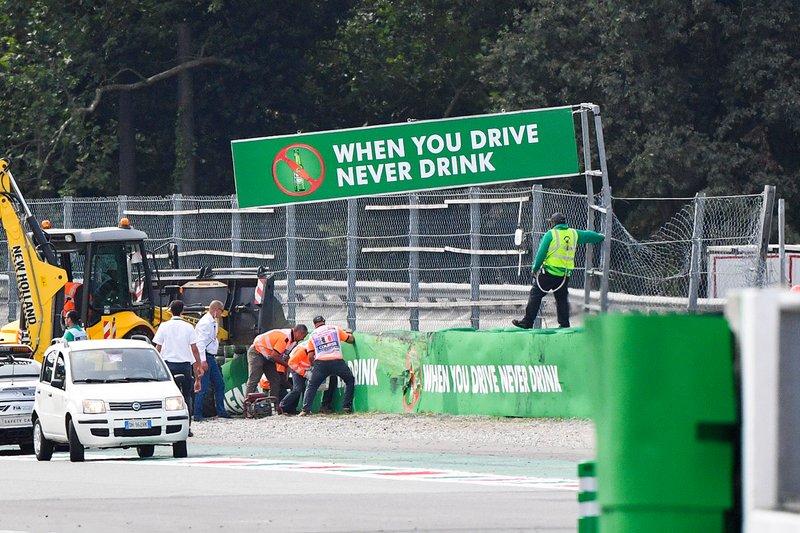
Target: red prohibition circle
[
  {"x": 283, "y": 157},
  {"x": 415, "y": 386}
]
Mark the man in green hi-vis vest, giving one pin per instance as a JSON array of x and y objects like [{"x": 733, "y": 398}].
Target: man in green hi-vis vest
[{"x": 556, "y": 259}]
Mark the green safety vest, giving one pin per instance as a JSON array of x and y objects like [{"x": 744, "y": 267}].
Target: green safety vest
[{"x": 560, "y": 258}]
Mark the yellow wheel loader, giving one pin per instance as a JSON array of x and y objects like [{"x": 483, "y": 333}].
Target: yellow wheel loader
[
  {"x": 108, "y": 277},
  {"x": 102, "y": 273}
]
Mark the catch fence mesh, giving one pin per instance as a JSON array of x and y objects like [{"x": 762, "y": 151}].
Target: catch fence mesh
[{"x": 433, "y": 260}]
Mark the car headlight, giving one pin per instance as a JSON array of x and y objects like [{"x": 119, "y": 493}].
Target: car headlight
[
  {"x": 174, "y": 403},
  {"x": 94, "y": 407}
]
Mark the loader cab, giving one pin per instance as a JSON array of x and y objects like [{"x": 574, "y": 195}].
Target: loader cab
[{"x": 107, "y": 272}]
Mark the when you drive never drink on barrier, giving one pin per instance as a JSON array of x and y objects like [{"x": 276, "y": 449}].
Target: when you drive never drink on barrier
[{"x": 534, "y": 373}]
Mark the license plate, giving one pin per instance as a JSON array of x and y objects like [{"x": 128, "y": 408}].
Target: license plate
[
  {"x": 15, "y": 420},
  {"x": 138, "y": 424}
]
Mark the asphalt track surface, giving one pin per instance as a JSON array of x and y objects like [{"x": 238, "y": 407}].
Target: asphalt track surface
[{"x": 355, "y": 485}]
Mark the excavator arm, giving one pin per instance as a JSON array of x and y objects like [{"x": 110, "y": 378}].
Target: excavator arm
[{"x": 35, "y": 266}]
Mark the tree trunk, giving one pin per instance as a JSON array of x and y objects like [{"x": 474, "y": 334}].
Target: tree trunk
[
  {"x": 126, "y": 135},
  {"x": 185, "y": 160}
]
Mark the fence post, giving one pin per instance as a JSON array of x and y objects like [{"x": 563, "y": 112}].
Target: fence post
[
  {"x": 67, "y": 205},
  {"x": 782, "y": 241},
  {"x": 291, "y": 263},
  {"x": 608, "y": 230},
  {"x": 591, "y": 213},
  {"x": 608, "y": 220},
  {"x": 766, "y": 227},
  {"x": 236, "y": 233},
  {"x": 177, "y": 225},
  {"x": 413, "y": 260},
  {"x": 475, "y": 258},
  {"x": 537, "y": 228},
  {"x": 352, "y": 260},
  {"x": 697, "y": 250}
]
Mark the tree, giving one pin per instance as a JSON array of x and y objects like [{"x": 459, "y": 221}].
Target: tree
[
  {"x": 407, "y": 59},
  {"x": 691, "y": 93},
  {"x": 75, "y": 56}
]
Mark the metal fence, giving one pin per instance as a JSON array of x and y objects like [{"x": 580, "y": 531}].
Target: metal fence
[{"x": 437, "y": 259}]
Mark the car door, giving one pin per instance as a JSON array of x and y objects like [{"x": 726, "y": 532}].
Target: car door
[
  {"x": 59, "y": 398},
  {"x": 44, "y": 393}
]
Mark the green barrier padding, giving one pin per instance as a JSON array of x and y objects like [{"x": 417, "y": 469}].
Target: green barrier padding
[
  {"x": 528, "y": 373},
  {"x": 235, "y": 373},
  {"x": 507, "y": 373},
  {"x": 665, "y": 414}
]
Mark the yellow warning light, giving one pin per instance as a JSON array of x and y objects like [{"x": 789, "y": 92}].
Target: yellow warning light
[
  {"x": 124, "y": 223},
  {"x": 46, "y": 224}
]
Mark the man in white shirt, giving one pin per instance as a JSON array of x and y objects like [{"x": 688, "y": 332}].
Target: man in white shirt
[
  {"x": 208, "y": 345},
  {"x": 176, "y": 341}
]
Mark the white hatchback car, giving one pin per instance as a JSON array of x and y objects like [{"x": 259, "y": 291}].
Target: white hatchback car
[{"x": 107, "y": 394}]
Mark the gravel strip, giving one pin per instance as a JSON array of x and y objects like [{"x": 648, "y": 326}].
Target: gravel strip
[{"x": 517, "y": 437}]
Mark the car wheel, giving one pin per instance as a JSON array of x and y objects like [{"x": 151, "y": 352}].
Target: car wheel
[
  {"x": 42, "y": 447},
  {"x": 26, "y": 447},
  {"x": 179, "y": 449},
  {"x": 145, "y": 451},
  {"x": 75, "y": 447}
]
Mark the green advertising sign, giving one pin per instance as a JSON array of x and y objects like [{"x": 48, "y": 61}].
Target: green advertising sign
[{"x": 414, "y": 156}]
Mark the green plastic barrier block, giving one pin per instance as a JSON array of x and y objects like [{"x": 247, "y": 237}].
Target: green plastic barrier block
[{"x": 666, "y": 415}]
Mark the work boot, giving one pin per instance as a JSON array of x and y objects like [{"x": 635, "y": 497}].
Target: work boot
[
  {"x": 348, "y": 410},
  {"x": 325, "y": 410},
  {"x": 304, "y": 413},
  {"x": 521, "y": 324}
]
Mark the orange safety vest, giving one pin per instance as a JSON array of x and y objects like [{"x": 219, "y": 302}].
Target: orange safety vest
[
  {"x": 276, "y": 339},
  {"x": 70, "y": 290},
  {"x": 299, "y": 361}
]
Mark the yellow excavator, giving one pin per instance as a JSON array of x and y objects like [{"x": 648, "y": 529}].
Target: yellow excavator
[
  {"x": 113, "y": 282},
  {"x": 102, "y": 273}
]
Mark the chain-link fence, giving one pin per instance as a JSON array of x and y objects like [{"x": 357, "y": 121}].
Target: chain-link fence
[{"x": 437, "y": 259}]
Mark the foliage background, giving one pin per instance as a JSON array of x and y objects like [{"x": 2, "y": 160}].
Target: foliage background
[{"x": 699, "y": 95}]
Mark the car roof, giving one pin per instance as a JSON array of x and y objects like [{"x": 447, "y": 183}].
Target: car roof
[
  {"x": 8, "y": 364},
  {"x": 108, "y": 343},
  {"x": 16, "y": 360}
]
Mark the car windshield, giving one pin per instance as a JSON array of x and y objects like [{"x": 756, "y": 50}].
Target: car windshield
[
  {"x": 108, "y": 365},
  {"x": 18, "y": 368}
]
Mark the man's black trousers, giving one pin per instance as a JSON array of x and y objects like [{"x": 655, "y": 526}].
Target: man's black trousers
[{"x": 548, "y": 283}]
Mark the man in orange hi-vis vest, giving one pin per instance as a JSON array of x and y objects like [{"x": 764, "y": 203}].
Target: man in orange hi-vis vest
[
  {"x": 300, "y": 364},
  {"x": 325, "y": 346},
  {"x": 269, "y": 351}
]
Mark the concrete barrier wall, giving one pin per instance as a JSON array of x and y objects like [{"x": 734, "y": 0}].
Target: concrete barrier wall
[{"x": 533, "y": 373}]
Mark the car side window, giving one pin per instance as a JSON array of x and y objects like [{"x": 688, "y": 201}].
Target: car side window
[
  {"x": 47, "y": 367},
  {"x": 60, "y": 371}
]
